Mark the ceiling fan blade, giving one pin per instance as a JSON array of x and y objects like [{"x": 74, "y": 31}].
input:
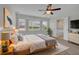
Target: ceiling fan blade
[
  {"x": 55, "y": 9},
  {"x": 49, "y": 9},
  {"x": 41, "y": 10}
]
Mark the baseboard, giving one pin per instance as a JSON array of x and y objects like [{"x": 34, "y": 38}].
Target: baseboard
[{"x": 73, "y": 43}]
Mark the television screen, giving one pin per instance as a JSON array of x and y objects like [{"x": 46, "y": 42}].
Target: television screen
[{"x": 74, "y": 24}]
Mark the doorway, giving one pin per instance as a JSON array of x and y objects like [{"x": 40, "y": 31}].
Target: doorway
[{"x": 60, "y": 29}]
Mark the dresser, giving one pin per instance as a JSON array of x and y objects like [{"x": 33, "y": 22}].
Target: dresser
[{"x": 74, "y": 37}]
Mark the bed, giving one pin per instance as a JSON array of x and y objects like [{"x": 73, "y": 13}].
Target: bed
[{"x": 34, "y": 43}]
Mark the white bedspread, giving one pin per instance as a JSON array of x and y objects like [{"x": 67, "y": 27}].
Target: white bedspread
[
  {"x": 22, "y": 45},
  {"x": 35, "y": 42}
]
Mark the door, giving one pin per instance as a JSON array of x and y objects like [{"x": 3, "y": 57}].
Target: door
[{"x": 60, "y": 29}]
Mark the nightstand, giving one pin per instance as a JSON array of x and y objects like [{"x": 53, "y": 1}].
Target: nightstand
[{"x": 6, "y": 43}]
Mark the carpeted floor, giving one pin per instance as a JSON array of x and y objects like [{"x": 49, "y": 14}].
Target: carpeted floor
[{"x": 60, "y": 48}]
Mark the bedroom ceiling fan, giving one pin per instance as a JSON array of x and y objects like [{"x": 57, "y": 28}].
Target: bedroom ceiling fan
[{"x": 49, "y": 9}]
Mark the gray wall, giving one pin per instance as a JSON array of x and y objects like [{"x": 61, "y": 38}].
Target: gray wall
[
  {"x": 71, "y": 10},
  {"x": 1, "y": 15},
  {"x": 67, "y": 10}
]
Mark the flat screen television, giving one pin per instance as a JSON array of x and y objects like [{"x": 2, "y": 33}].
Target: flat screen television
[{"x": 74, "y": 24}]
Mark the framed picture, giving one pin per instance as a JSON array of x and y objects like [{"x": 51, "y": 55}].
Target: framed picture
[{"x": 7, "y": 21}]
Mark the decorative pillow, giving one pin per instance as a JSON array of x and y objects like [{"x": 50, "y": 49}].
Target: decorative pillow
[
  {"x": 15, "y": 39},
  {"x": 20, "y": 37}
]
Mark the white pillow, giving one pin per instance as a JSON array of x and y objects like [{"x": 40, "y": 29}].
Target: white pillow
[
  {"x": 18, "y": 37},
  {"x": 15, "y": 39}
]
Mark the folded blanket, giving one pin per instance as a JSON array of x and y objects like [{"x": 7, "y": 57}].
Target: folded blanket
[{"x": 49, "y": 40}]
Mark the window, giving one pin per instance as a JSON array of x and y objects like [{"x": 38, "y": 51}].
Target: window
[
  {"x": 45, "y": 25},
  {"x": 21, "y": 24},
  {"x": 33, "y": 25}
]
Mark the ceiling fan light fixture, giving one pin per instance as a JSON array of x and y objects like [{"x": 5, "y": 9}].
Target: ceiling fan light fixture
[{"x": 49, "y": 12}]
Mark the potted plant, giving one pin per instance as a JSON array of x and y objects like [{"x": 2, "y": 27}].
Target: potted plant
[{"x": 49, "y": 32}]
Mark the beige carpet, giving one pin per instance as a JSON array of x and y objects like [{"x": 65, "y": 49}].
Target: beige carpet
[{"x": 60, "y": 48}]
